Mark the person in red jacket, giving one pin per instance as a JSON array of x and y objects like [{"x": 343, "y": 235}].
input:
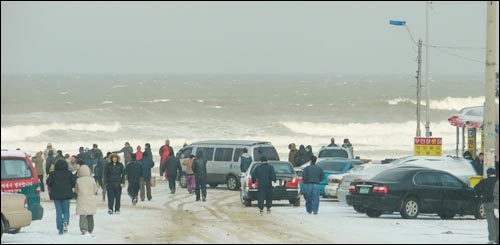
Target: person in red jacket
[
  {"x": 164, "y": 153},
  {"x": 139, "y": 153}
]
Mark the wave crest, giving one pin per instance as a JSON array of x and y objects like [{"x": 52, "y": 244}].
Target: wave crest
[
  {"x": 19, "y": 133},
  {"x": 448, "y": 103}
]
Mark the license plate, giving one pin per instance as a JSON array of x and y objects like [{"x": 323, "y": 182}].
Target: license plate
[{"x": 364, "y": 190}]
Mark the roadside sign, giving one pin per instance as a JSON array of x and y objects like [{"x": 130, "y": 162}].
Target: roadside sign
[{"x": 427, "y": 146}]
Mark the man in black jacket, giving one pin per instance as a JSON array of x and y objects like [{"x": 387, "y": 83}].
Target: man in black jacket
[
  {"x": 114, "y": 179},
  {"x": 200, "y": 175},
  {"x": 134, "y": 173},
  {"x": 312, "y": 176},
  {"x": 61, "y": 184},
  {"x": 264, "y": 174},
  {"x": 174, "y": 169},
  {"x": 485, "y": 189}
]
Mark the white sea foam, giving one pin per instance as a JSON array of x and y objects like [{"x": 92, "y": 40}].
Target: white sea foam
[
  {"x": 200, "y": 100},
  {"x": 155, "y": 101},
  {"x": 216, "y": 107},
  {"x": 107, "y": 102},
  {"x": 448, "y": 103},
  {"x": 63, "y": 93},
  {"x": 24, "y": 132},
  {"x": 119, "y": 86}
]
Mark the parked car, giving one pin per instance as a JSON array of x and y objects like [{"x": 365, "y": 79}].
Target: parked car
[
  {"x": 328, "y": 152},
  {"x": 335, "y": 181},
  {"x": 287, "y": 186},
  {"x": 15, "y": 213},
  {"x": 19, "y": 176},
  {"x": 223, "y": 166},
  {"x": 415, "y": 190},
  {"x": 333, "y": 166}
]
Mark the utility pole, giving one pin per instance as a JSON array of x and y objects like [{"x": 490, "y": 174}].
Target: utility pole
[
  {"x": 427, "y": 56},
  {"x": 489, "y": 107},
  {"x": 419, "y": 86}
]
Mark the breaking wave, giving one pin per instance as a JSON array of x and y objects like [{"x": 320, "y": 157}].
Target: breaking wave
[
  {"x": 448, "y": 103},
  {"x": 19, "y": 133}
]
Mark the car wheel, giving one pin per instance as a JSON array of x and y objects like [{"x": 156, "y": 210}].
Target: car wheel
[
  {"x": 410, "y": 208},
  {"x": 373, "y": 213},
  {"x": 295, "y": 202},
  {"x": 183, "y": 180},
  {"x": 479, "y": 212},
  {"x": 446, "y": 215},
  {"x": 359, "y": 209},
  {"x": 15, "y": 231},
  {"x": 213, "y": 185},
  {"x": 232, "y": 183}
]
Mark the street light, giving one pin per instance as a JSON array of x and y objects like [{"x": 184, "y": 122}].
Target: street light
[{"x": 419, "y": 71}]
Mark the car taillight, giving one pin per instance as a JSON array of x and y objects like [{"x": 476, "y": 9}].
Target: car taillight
[
  {"x": 25, "y": 203},
  {"x": 352, "y": 189},
  {"x": 293, "y": 184},
  {"x": 251, "y": 184},
  {"x": 380, "y": 189},
  {"x": 38, "y": 190}
]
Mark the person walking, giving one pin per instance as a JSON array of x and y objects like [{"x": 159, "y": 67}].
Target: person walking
[
  {"x": 312, "y": 176},
  {"x": 293, "y": 151},
  {"x": 127, "y": 152},
  {"x": 114, "y": 180},
  {"x": 61, "y": 184},
  {"x": 264, "y": 174},
  {"x": 86, "y": 202},
  {"x": 174, "y": 169},
  {"x": 49, "y": 161},
  {"x": 147, "y": 164},
  {"x": 99, "y": 173},
  {"x": 485, "y": 189},
  {"x": 495, "y": 206},
  {"x": 200, "y": 175},
  {"x": 38, "y": 160},
  {"x": 164, "y": 154},
  {"x": 245, "y": 161},
  {"x": 190, "y": 181},
  {"x": 134, "y": 174}
]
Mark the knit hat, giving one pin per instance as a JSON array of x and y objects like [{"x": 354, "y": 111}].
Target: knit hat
[{"x": 491, "y": 171}]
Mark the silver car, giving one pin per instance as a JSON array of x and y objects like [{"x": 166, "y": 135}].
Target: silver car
[{"x": 223, "y": 166}]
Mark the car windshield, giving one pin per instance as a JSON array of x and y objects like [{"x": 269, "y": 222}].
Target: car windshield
[
  {"x": 332, "y": 166},
  {"x": 269, "y": 152},
  {"x": 15, "y": 168},
  {"x": 333, "y": 153},
  {"x": 279, "y": 168}
]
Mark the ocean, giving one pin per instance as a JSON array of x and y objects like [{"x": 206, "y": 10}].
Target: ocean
[{"x": 376, "y": 112}]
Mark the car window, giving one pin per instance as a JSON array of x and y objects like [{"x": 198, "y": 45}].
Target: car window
[
  {"x": 269, "y": 152},
  {"x": 223, "y": 154},
  {"x": 391, "y": 175},
  {"x": 15, "y": 168},
  {"x": 333, "y": 153},
  {"x": 332, "y": 166},
  {"x": 428, "y": 179},
  {"x": 451, "y": 181},
  {"x": 279, "y": 168},
  {"x": 237, "y": 153},
  {"x": 208, "y": 152},
  {"x": 186, "y": 153}
]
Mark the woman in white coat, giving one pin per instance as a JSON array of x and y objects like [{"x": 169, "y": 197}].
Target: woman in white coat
[{"x": 86, "y": 201}]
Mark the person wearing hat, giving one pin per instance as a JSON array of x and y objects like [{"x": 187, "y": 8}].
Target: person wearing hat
[
  {"x": 46, "y": 151},
  {"x": 485, "y": 190}
]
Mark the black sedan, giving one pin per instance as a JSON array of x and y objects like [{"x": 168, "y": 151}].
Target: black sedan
[
  {"x": 414, "y": 190},
  {"x": 285, "y": 188}
]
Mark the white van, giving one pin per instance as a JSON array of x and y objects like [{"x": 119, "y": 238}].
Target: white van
[{"x": 223, "y": 166}]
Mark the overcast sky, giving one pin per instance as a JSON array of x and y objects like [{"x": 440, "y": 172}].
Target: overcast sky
[{"x": 237, "y": 37}]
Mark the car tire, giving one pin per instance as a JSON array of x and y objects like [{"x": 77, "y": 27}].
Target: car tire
[
  {"x": 214, "y": 185},
  {"x": 359, "y": 209},
  {"x": 295, "y": 202},
  {"x": 232, "y": 183},
  {"x": 410, "y": 208},
  {"x": 15, "y": 231},
  {"x": 183, "y": 180},
  {"x": 373, "y": 213},
  {"x": 446, "y": 215},
  {"x": 479, "y": 212}
]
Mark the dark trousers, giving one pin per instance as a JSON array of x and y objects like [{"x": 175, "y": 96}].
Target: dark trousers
[
  {"x": 201, "y": 184},
  {"x": 171, "y": 183},
  {"x": 265, "y": 193},
  {"x": 133, "y": 188},
  {"x": 42, "y": 186},
  {"x": 145, "y": 183},
  {"x": 114, "y": 196},
  {"x": 87, "y": 223}
]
